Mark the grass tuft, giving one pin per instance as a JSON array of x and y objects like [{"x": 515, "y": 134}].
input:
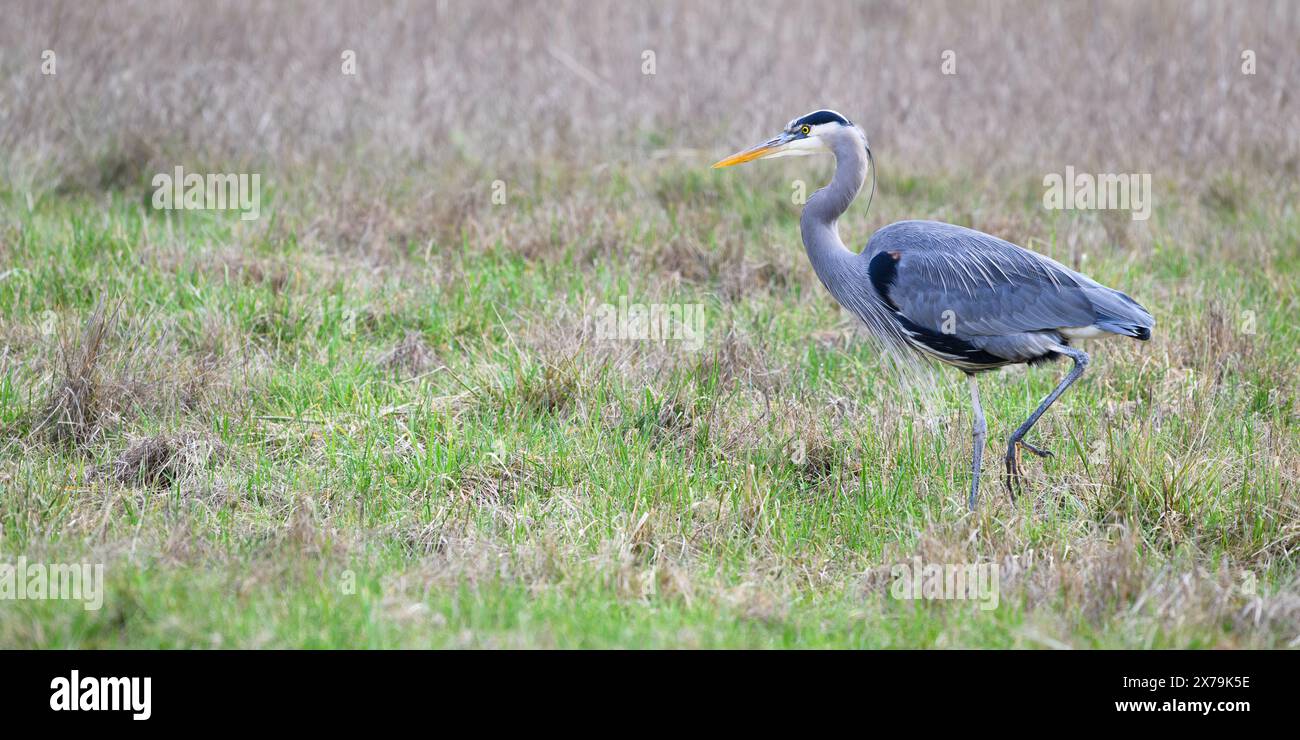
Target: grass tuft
[{"x": 72, "y": 413}]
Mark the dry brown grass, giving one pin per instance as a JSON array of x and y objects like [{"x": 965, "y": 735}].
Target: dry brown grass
[
  {"x": 161, "y": 460},
  {"x": 411, "y": 357},
  {"x": 499, "y": 87},
  {"x": 72, "y": 414}
]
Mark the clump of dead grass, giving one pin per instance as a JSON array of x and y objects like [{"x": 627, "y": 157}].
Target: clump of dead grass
[
  {"x": 73, "y": 411},
  {"x": 814, "y": 452},
  {"x": 501, "y": 481},
  {"x": 411, "y": 356},
  {"x": 161, "y": 460},
  {"x": 548, "y": 389}
]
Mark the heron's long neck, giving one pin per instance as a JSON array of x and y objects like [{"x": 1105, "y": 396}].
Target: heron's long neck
[{"x": 829, "y": 257}]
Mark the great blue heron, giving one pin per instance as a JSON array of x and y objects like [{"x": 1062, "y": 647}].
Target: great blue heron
[{"x": 956, "y": 295}]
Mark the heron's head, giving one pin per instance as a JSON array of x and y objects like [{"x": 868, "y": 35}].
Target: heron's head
[{"x": 816, "y": 132}]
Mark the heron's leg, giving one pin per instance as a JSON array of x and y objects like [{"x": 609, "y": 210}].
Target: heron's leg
[
  {"x": 979, "y": 432},
  {"x": 1013, "y": 463}
]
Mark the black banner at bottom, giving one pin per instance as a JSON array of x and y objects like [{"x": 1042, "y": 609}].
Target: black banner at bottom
[{"x": 238, "y": 689}]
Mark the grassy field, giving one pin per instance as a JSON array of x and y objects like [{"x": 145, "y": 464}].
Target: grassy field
[{"x": 381, "y": 414}]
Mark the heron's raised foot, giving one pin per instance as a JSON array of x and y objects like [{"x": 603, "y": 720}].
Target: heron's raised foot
[
  {"x": 1014, "y": 477},
  {"x": 1041, "y": 452}
]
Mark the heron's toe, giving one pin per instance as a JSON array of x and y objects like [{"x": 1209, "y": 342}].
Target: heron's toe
[{"x": 1041, "y": 452}]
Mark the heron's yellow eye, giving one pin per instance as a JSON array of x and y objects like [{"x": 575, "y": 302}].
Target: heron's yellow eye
[{"x": 805, "y": 129}]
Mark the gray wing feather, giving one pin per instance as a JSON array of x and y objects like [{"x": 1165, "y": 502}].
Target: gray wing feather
[{"x": 993, "y": 287}]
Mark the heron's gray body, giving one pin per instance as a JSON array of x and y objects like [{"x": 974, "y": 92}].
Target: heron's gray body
[
  {"x": 977, "y": 302},
  {"x": 954, "y": 294},
  {"x": 950, "y": 293}
]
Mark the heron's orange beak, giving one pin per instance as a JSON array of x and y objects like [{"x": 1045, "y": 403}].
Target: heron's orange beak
[{"x": 758, "y": 152}]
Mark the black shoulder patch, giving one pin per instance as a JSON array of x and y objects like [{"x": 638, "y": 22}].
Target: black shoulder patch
[
  {"x": 818, "y": 117},
  {"x": 883, "y": 271}
]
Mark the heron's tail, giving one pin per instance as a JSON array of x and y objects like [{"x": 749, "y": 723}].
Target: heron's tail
[{"x": 1119, "y": 314}]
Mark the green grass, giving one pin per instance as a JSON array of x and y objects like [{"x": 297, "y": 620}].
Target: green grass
[{"x": 516, "y": 482}]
